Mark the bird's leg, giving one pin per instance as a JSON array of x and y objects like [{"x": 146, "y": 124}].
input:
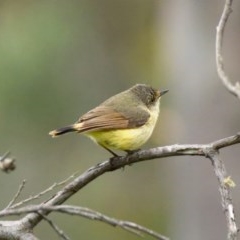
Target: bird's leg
[{"x": 113, "y": 153}]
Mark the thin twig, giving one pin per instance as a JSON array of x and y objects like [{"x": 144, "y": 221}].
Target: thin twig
[
  {"x": 5, "y": 155},
  {"x": 17, "y": 194},
  {"x": 235, "y": 90},
  {"x": 37, "y": 196},
  {"x": 56, "y": 228}
]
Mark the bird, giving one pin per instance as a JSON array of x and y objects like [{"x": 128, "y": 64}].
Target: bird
[{"x": 124, "y": 121}]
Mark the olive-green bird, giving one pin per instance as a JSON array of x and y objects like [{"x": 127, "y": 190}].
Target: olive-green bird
[{"x": 125, "y": 121}]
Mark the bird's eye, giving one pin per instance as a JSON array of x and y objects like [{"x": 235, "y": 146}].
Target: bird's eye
[{"x": 150, "y": 99}]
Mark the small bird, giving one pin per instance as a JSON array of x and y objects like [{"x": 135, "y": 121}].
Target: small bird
[{"x": 125, "y": 121}]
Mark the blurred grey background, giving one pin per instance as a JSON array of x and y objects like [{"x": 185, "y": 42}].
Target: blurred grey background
[{"x": 58, "y": 59}]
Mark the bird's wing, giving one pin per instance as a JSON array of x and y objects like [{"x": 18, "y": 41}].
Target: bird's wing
[{"x": 106, "y": 118}]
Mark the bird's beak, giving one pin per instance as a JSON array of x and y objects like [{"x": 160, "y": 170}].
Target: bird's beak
[{"x": 162, "y": 92}]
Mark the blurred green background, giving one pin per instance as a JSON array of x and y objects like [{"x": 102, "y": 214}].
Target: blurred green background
[{"x": 58, "y": 59}]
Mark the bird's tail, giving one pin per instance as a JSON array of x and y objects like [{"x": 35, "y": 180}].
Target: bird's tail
[{"x": 63, "y": 130}]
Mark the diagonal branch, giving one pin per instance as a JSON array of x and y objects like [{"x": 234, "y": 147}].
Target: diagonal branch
[
  {"x": 56, "y": 228},
  {"x": 12, "y": 203},
  {"x": 17, "y": 194}
]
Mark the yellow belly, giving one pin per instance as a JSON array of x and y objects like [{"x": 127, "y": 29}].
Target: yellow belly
[{"x": 125, "y": 139}]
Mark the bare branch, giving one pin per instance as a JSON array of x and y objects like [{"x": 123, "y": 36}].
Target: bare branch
[
  {"x": 235, "y": 90},
  {"x": 15, "y": 230},
  {"x": 87, "y": 213},
  {"x": 89, "y": 175},
  {"x": 27, "y": 236},
  {"x": 37, "y": 196},
  {"x": 56, "y": 228},
  {"x": 224, "y": 188},
  {"x": 33, "y": 218},
  {"x": 218, "y": 165},
  {"x": 17, "y": 194}
]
